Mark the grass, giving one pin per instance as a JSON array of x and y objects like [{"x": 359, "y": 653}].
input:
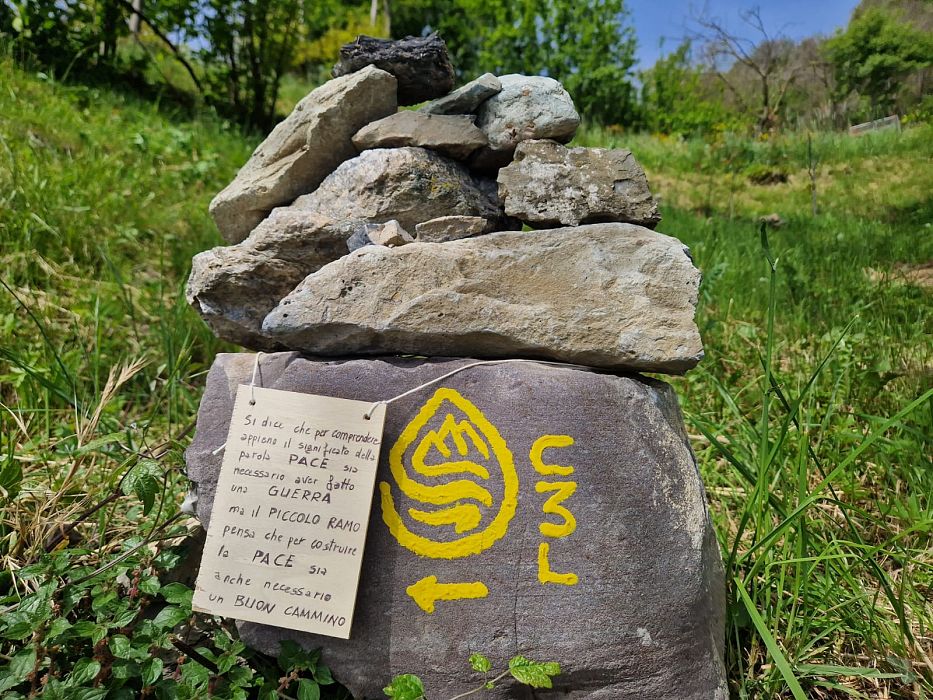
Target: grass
[
  {"x": 811, "y": 413},
  {"x": 810, "y": 416}
]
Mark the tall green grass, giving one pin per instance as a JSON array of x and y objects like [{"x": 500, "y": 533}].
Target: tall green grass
[
  {"x": 810, "y": 416},
  {"x": 102, "y": 204},
  {"x": 823, "y": 511},
  {"x": 879, "y": 178}
]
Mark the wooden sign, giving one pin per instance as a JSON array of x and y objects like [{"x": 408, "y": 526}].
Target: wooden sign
[{"x": 288, "y": 525}]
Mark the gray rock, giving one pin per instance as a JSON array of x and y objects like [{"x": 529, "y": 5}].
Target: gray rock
[
  {"x": 450, "y": 228},
  {"x": 303, "y": 149},
  {"x": 389, "y": 234},
  {"x": 467, "y": 98},
  {"x": 528, "y": 107},
  {"x": 548, "y": 184},
  {"x": 234, "y": 287},
  {"x": 451, "y": 135},
  {"x": 421, "y": 64},
  {"x": 644, "y": 618},
  {"x": 358, "y": 240},
  {"x": 410, "y": 185},
  {"x": 604, "y": 295}
]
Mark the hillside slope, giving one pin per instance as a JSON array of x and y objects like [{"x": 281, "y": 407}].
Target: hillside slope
[{"x": 814, "y": 437}]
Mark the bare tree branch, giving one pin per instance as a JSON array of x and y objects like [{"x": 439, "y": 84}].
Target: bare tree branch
[{"x": 768, "y": 57}]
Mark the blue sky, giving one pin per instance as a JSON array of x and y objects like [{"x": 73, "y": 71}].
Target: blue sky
[{"x": 670, "y": 19}]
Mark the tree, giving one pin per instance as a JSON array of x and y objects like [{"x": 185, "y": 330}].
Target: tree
[
  {"x": 675, "y": 98},
  {"x": 875, "y": 54},
  {"x": 249, "y": 44},
  {"x": 82, "y": 37},
  {"x": 329, "y": 27},
  {"x": 813, "y": 98},
  {"x": 589, "y": 46},
  {"x": 768, "y": 60}
]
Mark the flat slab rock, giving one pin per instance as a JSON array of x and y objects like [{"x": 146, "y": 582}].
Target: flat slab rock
[
  {"x": 466, "y": 98},
  {"x": 632, "y": 599},
  {"x": 303, "y": 149},
  {"x": 234, "y": 287},
  {"x": 549, "y": 184},
  {"x": 451, "y": 135},
  {"x": 603, "y": 295},
  {"x": 450, "y": 228},
  {"x": 421, "y": 64}
]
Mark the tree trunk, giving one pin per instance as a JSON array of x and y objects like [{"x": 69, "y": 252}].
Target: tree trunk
[
  {"x": 134, "y": 18},
  {"x": 765, "y": 122},
  {"x": 108, "y": 34}
]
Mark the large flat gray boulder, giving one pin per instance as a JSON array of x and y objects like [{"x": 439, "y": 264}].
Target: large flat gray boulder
[
  {"x": 604, "y": 295},
  {"x": 629, "y": 598},
  {"x": 548, "y": 184},
  {"x": 303, "y": 149}
]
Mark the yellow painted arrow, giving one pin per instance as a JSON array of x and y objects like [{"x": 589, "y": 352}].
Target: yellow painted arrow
[{"x": 427, "y": 591}]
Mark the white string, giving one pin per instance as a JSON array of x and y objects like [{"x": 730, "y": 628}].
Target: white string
[
  {"x": 252, "y": 394},
  {"x": 252, "y": 381},
  {"x": 385, "y": 402},
  {"x": 441, "y": 378}
]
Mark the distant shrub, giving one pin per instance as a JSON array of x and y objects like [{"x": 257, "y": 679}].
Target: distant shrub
[{"x": 762, "y": 174}]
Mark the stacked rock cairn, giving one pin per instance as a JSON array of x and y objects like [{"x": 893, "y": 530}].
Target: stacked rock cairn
[{"x": 464, "y": 228}]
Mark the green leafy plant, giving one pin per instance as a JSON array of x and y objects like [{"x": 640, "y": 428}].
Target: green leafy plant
[
  {"x": 121, "y": 633},
  {"x": 532, "y": 673}
]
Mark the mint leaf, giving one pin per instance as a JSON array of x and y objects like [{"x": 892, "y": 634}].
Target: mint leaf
[
  {"x": 120, "y": 646},
  {"x": 405, "y": 687},
  {"x": 533, "y": 673},
  {"x": 151, "y": 671},
  {"x": 308, "y": 690},
  {"x": 323, "y": 675},
  {"x": 177, "y": 593},
  {"x": 293, "y": 657},
  {"x": 169, "y": 617},
  {"x": 87, "y": 693},
  {"x": 268, "y": 691},
  {"x": 143, "y": 480},
  {"x": 480, "y": 663},
  {"x": 149, "y": 585},
  {"x": 58, "y": 627},
  {"x": 83, "y": 672},
  {"x": 22, "y": 664}
]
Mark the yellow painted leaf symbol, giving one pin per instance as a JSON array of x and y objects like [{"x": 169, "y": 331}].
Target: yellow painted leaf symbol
[
  {"x": 421, "y": 462},
  {"x": 428, "y": 591},
  {"x": 463, "y": 516}
]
